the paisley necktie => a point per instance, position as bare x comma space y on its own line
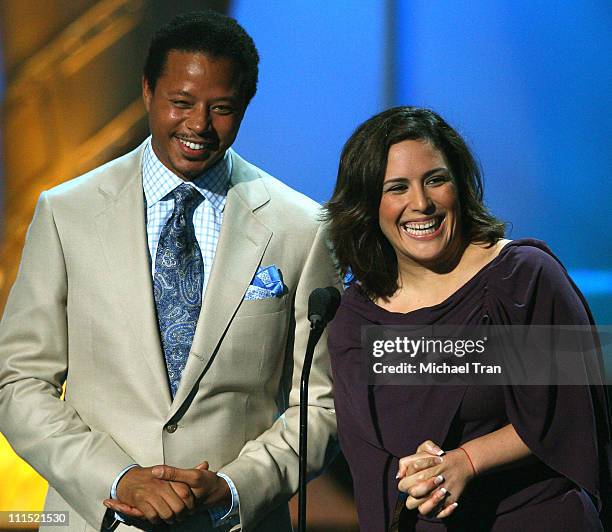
177, 283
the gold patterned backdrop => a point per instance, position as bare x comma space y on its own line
72, 102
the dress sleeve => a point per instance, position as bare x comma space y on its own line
565, 426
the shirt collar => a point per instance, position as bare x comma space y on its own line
158, 181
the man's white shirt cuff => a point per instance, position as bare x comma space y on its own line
222, 515
113, 491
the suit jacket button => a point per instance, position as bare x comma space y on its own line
171, 427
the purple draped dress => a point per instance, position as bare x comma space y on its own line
565, 427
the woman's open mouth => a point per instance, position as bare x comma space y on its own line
424, 229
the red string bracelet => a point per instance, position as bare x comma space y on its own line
469, 459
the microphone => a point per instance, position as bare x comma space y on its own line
322, 306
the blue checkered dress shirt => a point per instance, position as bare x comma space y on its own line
158, 182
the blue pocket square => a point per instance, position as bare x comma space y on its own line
267, 283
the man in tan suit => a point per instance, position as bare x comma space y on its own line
109, 301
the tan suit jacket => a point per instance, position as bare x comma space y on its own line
82, 311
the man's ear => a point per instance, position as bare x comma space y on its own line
147, 93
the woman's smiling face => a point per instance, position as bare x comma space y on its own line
419, 207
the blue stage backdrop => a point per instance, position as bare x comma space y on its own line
527, 83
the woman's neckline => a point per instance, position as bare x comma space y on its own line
485, 267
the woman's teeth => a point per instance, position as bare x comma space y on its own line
422, 228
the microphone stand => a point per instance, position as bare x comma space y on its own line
316, 330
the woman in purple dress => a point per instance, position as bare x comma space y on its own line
408, 221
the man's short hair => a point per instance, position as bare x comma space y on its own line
209, 33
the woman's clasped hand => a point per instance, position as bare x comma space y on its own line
434, 479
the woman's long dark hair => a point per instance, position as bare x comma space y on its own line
352, 212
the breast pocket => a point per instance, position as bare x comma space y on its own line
256, 342
258, 307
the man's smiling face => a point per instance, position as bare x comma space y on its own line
195, 111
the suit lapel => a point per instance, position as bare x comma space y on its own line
122, 231
242, 243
